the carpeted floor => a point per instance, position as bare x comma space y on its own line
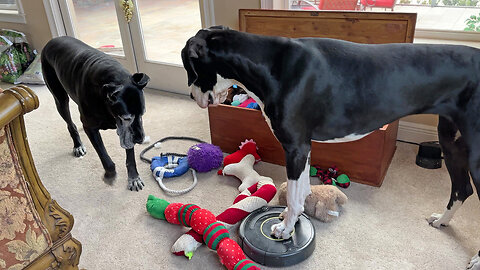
379, 228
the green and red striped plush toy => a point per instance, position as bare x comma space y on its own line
202, 221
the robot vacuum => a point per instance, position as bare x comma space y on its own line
265, 249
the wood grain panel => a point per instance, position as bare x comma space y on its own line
364, 31
362, 27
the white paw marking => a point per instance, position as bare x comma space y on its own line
79, 151
284, 213
474, 263
280, 231
435, 220
297, 191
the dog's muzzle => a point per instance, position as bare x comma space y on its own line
130, 131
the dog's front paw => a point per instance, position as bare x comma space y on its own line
435, 220
281, 231
283, 214
110, 174
79, 151
474, 263
135, 184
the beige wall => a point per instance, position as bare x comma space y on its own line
37, 28
226, 11
424, 119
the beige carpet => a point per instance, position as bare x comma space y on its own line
380, 228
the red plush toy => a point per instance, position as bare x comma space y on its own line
247, 147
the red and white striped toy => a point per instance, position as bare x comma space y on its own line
258, 192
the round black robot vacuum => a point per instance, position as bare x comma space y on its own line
265, 249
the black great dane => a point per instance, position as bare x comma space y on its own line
108, 97
332, 90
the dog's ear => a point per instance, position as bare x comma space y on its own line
140, 79
112, 91
195, 48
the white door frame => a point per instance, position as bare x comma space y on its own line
171, 77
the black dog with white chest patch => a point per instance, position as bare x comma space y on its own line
325, 89
108, 97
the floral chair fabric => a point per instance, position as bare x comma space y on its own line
23, 237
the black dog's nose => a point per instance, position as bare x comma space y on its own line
191, 96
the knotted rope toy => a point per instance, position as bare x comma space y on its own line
331, 176
204, 223
201, 157
259, 193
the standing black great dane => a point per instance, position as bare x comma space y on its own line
332, 90
108, 97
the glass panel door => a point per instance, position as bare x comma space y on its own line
166, 26
159, 34
100, 24
95, 23
151, 42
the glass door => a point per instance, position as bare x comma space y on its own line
158, 36
149, 41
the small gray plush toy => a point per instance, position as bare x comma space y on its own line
322, 204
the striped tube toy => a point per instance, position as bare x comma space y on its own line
254, 197
203, 222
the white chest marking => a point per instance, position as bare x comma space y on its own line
348, 138
259, 102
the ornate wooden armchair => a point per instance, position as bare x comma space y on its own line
34, 229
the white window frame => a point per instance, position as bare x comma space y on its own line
13, 15
419, 32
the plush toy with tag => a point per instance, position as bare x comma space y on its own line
323, 203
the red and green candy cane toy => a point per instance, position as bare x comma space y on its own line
202, 221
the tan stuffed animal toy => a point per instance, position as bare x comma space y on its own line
322, 204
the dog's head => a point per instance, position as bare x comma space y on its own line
207, 86
127, 104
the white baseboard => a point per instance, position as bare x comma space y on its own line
418, 133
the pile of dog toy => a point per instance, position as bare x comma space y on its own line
256, 191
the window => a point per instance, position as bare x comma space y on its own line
8, 5
11, 11
436, 19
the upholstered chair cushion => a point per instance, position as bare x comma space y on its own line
23, 237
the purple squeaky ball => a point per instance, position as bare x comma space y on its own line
204, 157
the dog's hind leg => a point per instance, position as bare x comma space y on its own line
61, 101
298, 188
474, 159
97, 142
455, 152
